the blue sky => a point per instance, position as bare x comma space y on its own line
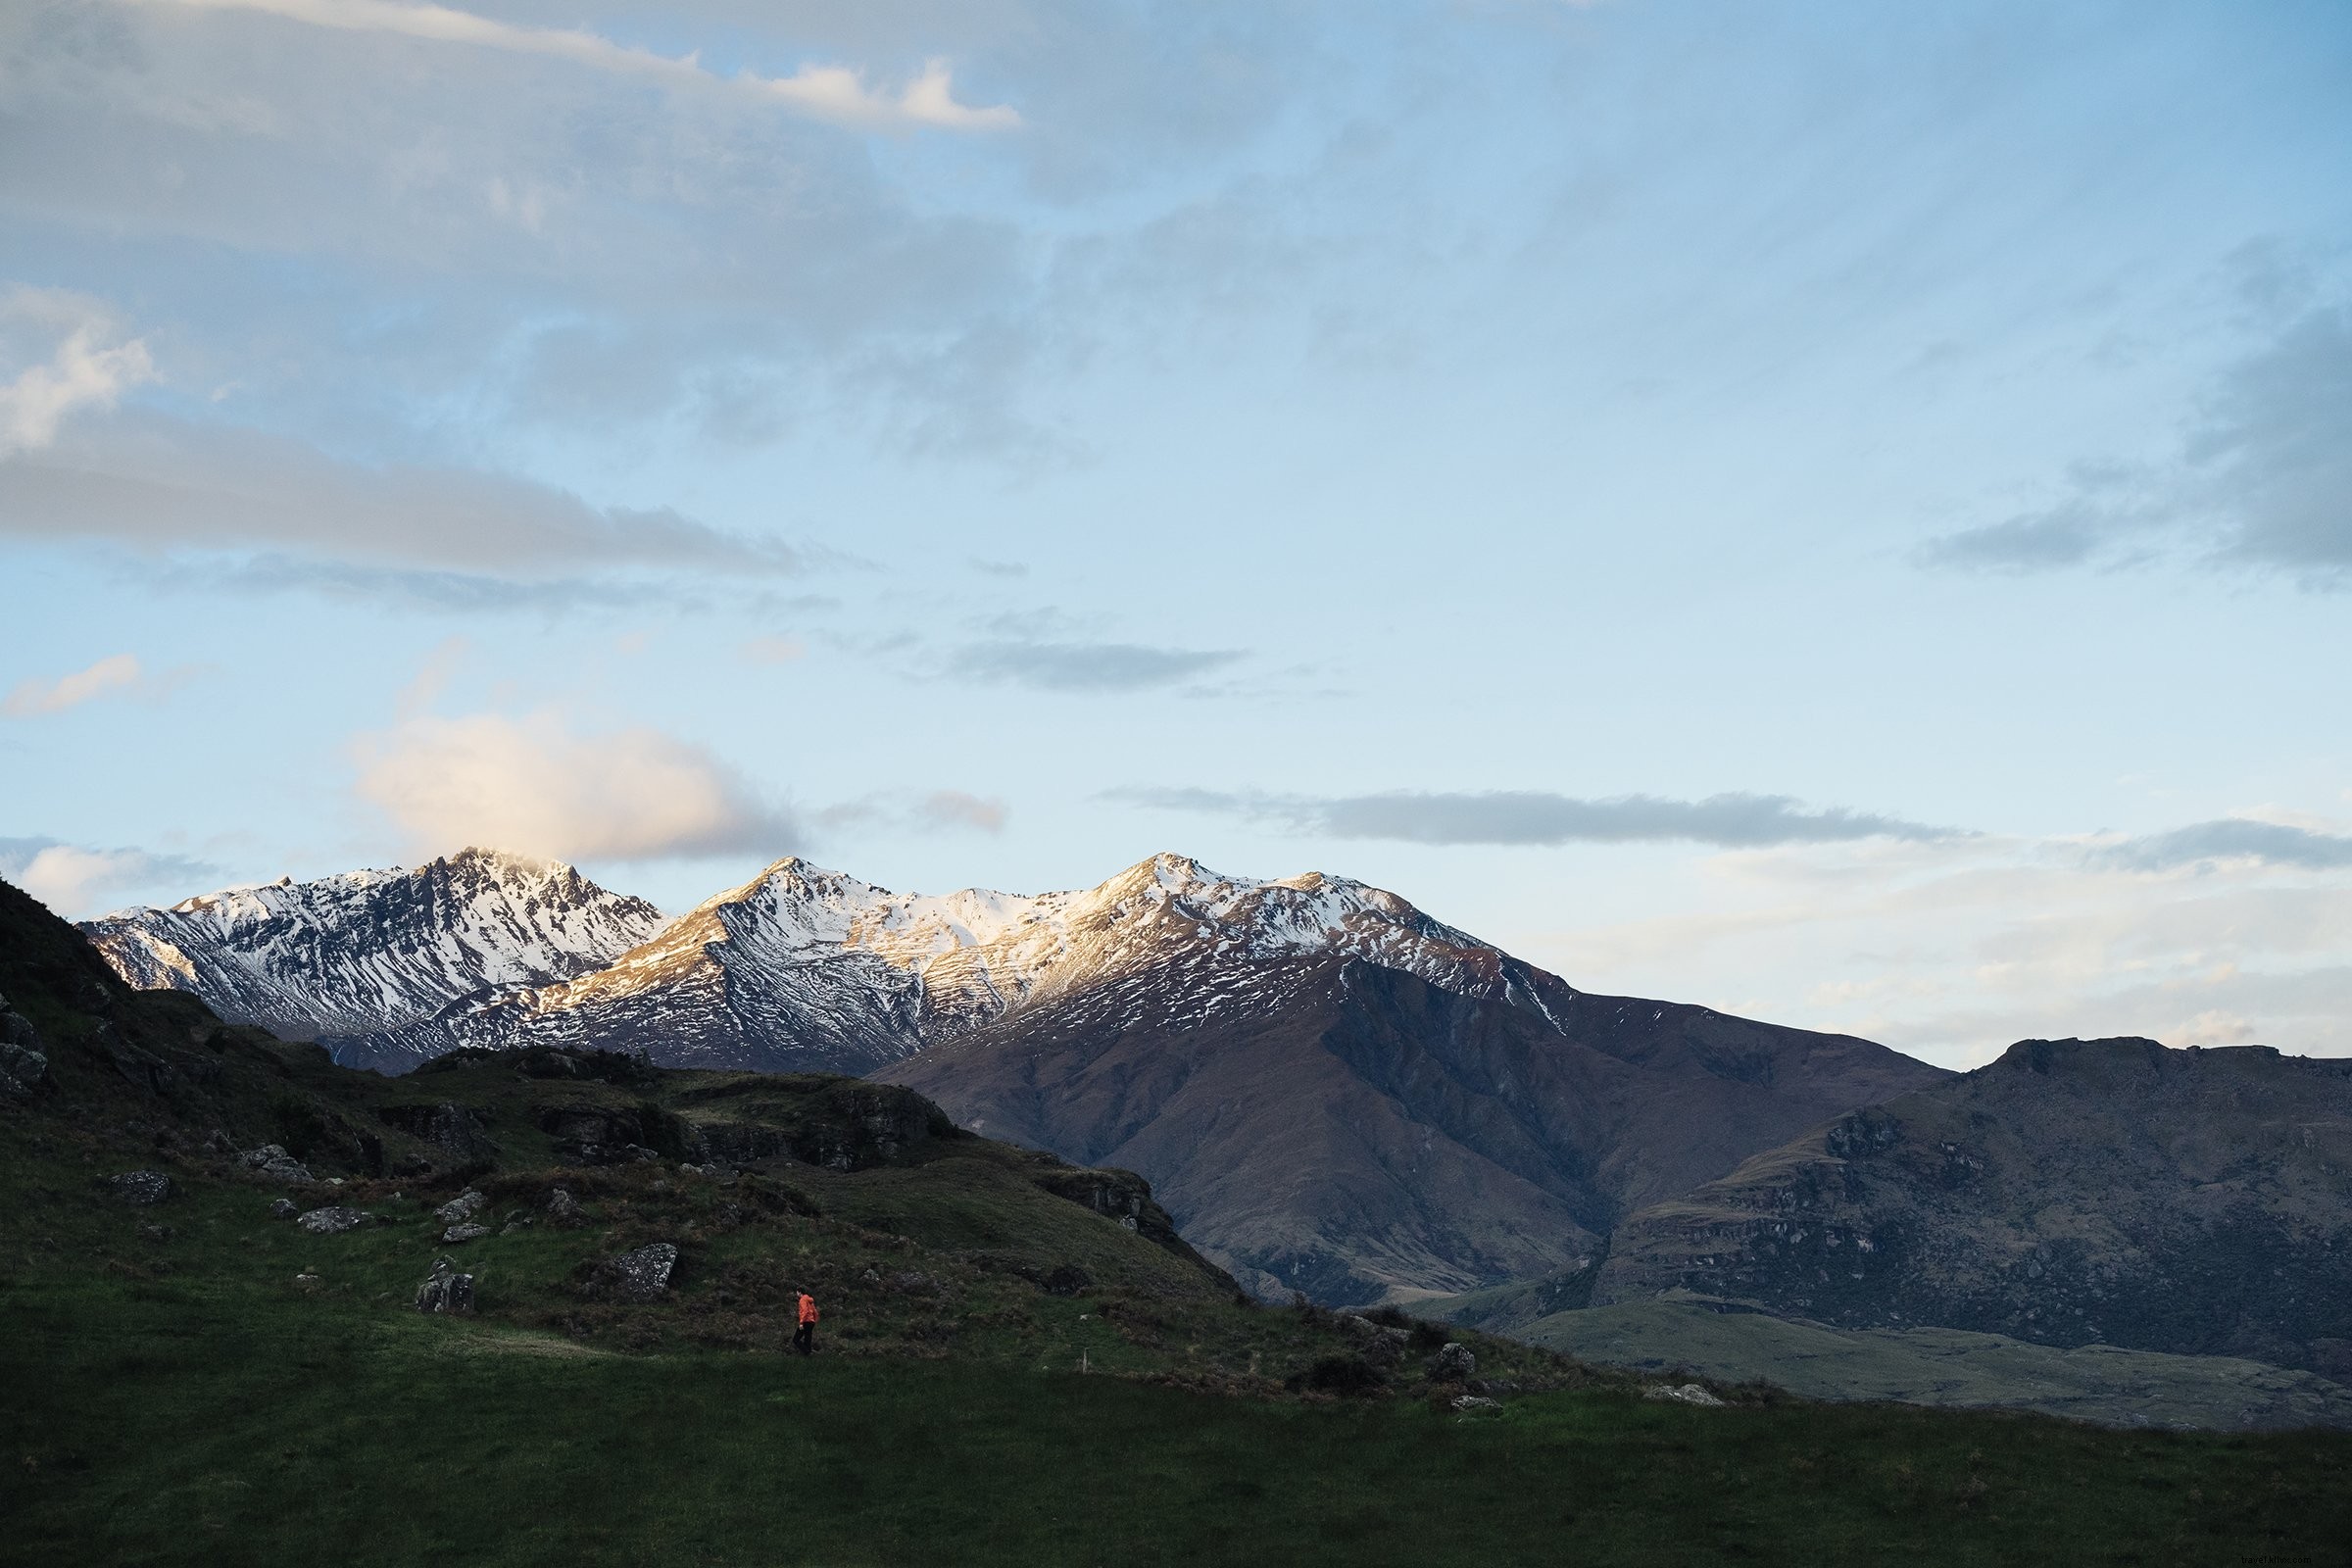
1837, 513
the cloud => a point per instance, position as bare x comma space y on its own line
1529, 817
73, 878
87, 368
1072, 666
939, 811
115, 672
831, 93
2228, 839
2262, 481
773, 650
159, 484
536, 784
955, 809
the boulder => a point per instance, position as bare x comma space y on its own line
464, 1233
282, 1208
273, 1163
562, 1208
1474, 1405
140, 1188
445, 1290
1380, 1344
331, 1221
23, 1068
461, 1209
638, 1276
453, 1129
1453, 1363
1686, 1394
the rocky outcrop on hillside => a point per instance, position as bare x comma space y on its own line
2075, 1192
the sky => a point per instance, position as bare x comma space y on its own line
1840, 513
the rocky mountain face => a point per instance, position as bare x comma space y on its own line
1333, 1092
2073, 1192
381, 968
806, 969
1355, 1131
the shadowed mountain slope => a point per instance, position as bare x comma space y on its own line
1380, 1134
2075, 1192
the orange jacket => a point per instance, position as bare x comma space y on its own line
807, 1308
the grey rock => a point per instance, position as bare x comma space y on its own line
282, 1208
331, 1221
23, 1068
1474, 1405
1686, 1394
465, 1232
445, 1290
1380, 1344
562, 1208
461, 1209
638, 1276
273, 1163
141, 1187
1453, 1363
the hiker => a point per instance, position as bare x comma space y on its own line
804, 1338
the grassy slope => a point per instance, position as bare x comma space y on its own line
202, 1419
1947, 1367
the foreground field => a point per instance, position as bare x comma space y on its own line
194, 1421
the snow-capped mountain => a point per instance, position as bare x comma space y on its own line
805, 968
368, 963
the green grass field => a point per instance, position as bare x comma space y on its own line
223, 1416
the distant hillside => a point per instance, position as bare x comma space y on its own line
2075, 1192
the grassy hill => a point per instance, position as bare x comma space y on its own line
1011, 1372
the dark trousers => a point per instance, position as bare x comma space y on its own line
803, 1339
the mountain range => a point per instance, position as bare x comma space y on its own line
1331, 1091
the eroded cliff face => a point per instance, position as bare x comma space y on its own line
2073, 1193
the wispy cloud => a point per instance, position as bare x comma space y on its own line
80, 359
1075, 667
832, 93
70, 878
2234, 838
117, 674
933, 811
159, 484
1538, 818
2261, 483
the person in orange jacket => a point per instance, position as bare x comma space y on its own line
804, 1338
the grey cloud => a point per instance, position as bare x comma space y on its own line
2230, 839
157, 484
2263, 481
1539, 818
1073, 666
2067, 537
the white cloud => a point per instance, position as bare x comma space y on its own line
1952, 951
33, 696
87, 368
832, 93
74, 880
537, 785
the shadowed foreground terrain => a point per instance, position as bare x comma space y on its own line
1010, 1371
